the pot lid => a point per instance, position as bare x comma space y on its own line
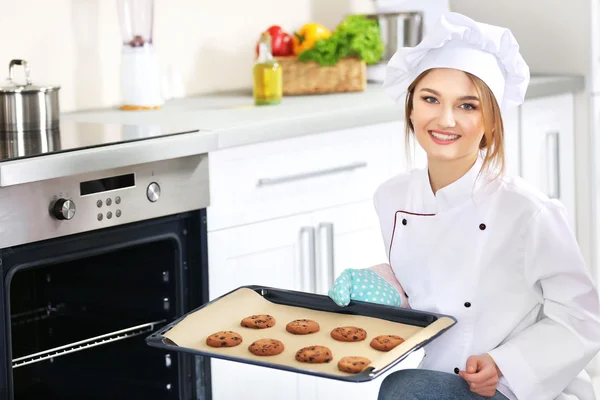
10, 86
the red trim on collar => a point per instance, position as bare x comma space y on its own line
412, 213
394, 228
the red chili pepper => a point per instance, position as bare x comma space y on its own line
281, 42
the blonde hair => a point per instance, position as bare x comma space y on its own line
492, 142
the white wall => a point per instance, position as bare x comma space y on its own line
554, 35
77, 43
330, 12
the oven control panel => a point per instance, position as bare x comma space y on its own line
63, 209
80, 203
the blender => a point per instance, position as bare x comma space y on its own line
140, 74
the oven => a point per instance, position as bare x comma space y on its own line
91, 265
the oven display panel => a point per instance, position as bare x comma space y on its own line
106, 184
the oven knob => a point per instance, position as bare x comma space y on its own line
64, 209
153, 192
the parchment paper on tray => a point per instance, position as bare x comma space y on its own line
226, 313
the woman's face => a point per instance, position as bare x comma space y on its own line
447, 116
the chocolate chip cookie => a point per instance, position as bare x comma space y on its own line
349, 334
302, 327
353, 365
224, 339
260, 321
266, 347
386, 342
314, 355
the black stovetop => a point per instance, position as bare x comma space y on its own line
73, 135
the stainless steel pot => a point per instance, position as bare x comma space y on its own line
401, 29
27, 107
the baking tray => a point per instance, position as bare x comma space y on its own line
188, 333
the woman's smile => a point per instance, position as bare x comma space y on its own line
442, 137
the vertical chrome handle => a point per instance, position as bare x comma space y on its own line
552, 165
325, 258
307, 259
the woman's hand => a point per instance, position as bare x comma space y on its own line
482, 375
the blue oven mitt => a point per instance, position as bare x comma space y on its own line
363, 285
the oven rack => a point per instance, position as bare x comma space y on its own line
39, 314
86, 344
31, 316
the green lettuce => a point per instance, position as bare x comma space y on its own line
356, 36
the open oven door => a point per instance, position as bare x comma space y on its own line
76, 311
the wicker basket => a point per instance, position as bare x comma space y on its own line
348, 75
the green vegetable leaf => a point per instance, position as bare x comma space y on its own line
356, 36
326, 51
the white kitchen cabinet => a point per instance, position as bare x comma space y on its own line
293, 214
547, 148
272, 253
265, 253
354, 242
282, 178
304, 252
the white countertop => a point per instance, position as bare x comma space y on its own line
228, 120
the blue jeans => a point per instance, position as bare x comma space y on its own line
421, 384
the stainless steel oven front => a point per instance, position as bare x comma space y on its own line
91, 264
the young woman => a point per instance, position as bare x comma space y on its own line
466, 240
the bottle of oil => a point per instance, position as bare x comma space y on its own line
268, 76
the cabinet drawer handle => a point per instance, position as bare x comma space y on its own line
313, 174
553, 165
307, 259
325, 258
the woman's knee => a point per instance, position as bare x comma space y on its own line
419, 384
406, 382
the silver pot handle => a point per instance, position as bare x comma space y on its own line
25, 65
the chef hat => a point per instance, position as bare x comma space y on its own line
489, 52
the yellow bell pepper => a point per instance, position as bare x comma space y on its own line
308, 35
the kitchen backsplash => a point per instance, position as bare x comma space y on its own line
77, 43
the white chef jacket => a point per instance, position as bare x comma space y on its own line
501, 258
